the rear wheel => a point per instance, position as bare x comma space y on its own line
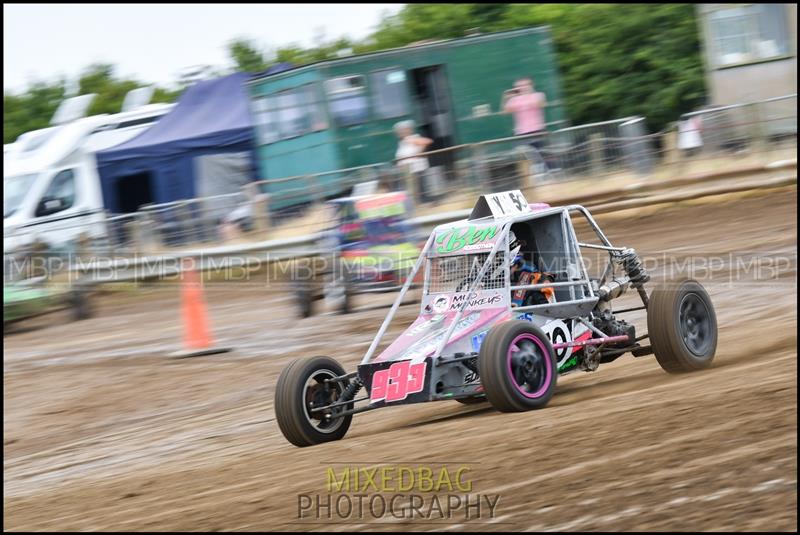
301, 388
517, 367
682, 326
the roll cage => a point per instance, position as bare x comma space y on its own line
576, 296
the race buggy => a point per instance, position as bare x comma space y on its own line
35, 297
369, 249
507, 307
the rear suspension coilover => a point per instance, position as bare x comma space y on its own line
636, 272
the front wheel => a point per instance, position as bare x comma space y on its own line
303, 387
682, 326
517, 366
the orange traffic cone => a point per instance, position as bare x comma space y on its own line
197, 337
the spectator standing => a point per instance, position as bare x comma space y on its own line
690, 140
410, 146
527, 106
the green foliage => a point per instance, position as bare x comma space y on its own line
418, 22
34, 108
291, 54
31, 110
165, 95
245, 56
489, 17
99, 79
615, 60
644, 62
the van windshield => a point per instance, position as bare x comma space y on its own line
14, 190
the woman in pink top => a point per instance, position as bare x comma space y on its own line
527, 105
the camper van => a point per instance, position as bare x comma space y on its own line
51, 187
8, 150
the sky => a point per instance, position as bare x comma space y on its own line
155, 42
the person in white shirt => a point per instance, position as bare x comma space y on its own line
690, 140
411, 144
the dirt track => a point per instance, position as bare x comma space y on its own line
101, 431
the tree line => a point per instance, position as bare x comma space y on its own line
615, 60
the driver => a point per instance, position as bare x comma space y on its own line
524, 273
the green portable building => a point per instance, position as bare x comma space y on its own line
339, 113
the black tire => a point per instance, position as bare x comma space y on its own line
304, 293
292, 398
345, 287
347, 303
80, 307
537, 371
682, 326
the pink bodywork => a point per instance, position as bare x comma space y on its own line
417, 331
438, 324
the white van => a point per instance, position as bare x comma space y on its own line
8, 150
51, 186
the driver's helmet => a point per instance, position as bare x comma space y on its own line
514, 247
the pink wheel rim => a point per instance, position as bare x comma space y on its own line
524, 343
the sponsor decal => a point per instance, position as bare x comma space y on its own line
568, 365
427, 345
477, 340
398, 381
470, 238
440, 303
425, 325
474, 301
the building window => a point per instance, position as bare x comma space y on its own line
748, 33
266, 120
347, 100
289, 113
390, 93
